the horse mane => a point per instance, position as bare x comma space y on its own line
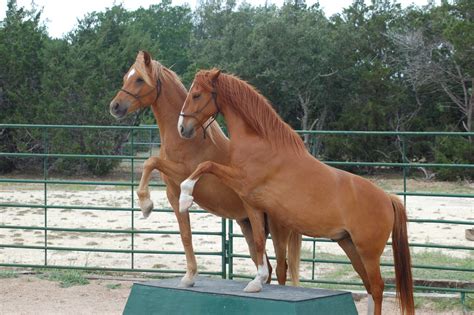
158, 71
256, 111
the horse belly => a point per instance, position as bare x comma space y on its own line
298, 207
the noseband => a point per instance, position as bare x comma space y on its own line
213, 117
139, 97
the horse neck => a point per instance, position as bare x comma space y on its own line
166, 110
235, 124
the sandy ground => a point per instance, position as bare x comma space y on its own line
418, 207
30, 295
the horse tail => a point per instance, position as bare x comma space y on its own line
294, 254
401, 257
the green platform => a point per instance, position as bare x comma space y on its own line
216, 296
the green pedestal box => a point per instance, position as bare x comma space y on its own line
216, 296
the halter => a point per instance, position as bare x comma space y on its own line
213, 117
138, 97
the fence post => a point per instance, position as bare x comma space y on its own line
314, 257
132, 160
404, 160
151, 143
224, 247
230, 253
45, 188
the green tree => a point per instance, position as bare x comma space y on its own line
21, 67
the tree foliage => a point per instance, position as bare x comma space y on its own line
371, 67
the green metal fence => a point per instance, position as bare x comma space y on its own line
144, 139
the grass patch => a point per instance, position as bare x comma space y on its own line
395, 183
159, 266
438, 258
66, 278
444, 304
113, 286
6, 274
343, 272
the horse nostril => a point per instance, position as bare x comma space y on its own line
115, 106
181, 129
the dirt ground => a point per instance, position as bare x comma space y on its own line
28, 294
418, 207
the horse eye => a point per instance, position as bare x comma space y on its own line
139, 80
196, 96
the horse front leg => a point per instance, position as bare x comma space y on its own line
257, 220
226, 174
169, 168
186, 239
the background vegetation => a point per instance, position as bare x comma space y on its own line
372, 67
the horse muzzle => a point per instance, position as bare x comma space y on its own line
186, 132
118, 109
186, 129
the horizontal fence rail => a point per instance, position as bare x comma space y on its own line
138, 146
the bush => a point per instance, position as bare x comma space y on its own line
454, 150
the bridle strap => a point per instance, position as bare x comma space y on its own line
139, 97
213, 117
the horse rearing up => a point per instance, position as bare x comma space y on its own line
271, 170
148, 83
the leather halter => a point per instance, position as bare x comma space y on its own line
138, 97
213, 117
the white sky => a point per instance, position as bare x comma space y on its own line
60, 16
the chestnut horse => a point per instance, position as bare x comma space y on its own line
147, 83
271, 170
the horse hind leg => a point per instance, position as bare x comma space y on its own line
349, 248
280, 237
372, 266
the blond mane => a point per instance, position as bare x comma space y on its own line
253, 108
158, 71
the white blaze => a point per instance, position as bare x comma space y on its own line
132, 72
180, 122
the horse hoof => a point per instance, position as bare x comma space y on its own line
254, 286
186, 282
185, 201
146, 206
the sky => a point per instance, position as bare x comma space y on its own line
60, 16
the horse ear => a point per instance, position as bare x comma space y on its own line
215, 74
146, 58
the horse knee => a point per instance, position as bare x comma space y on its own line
143, 194
149, 164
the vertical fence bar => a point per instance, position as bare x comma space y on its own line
314, 257
151, 143
132, 162
45, 189
231, 249
224, 247
404, 160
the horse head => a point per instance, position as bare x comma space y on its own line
141, 87
200, 104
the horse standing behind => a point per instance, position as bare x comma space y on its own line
271, 170
148, 83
